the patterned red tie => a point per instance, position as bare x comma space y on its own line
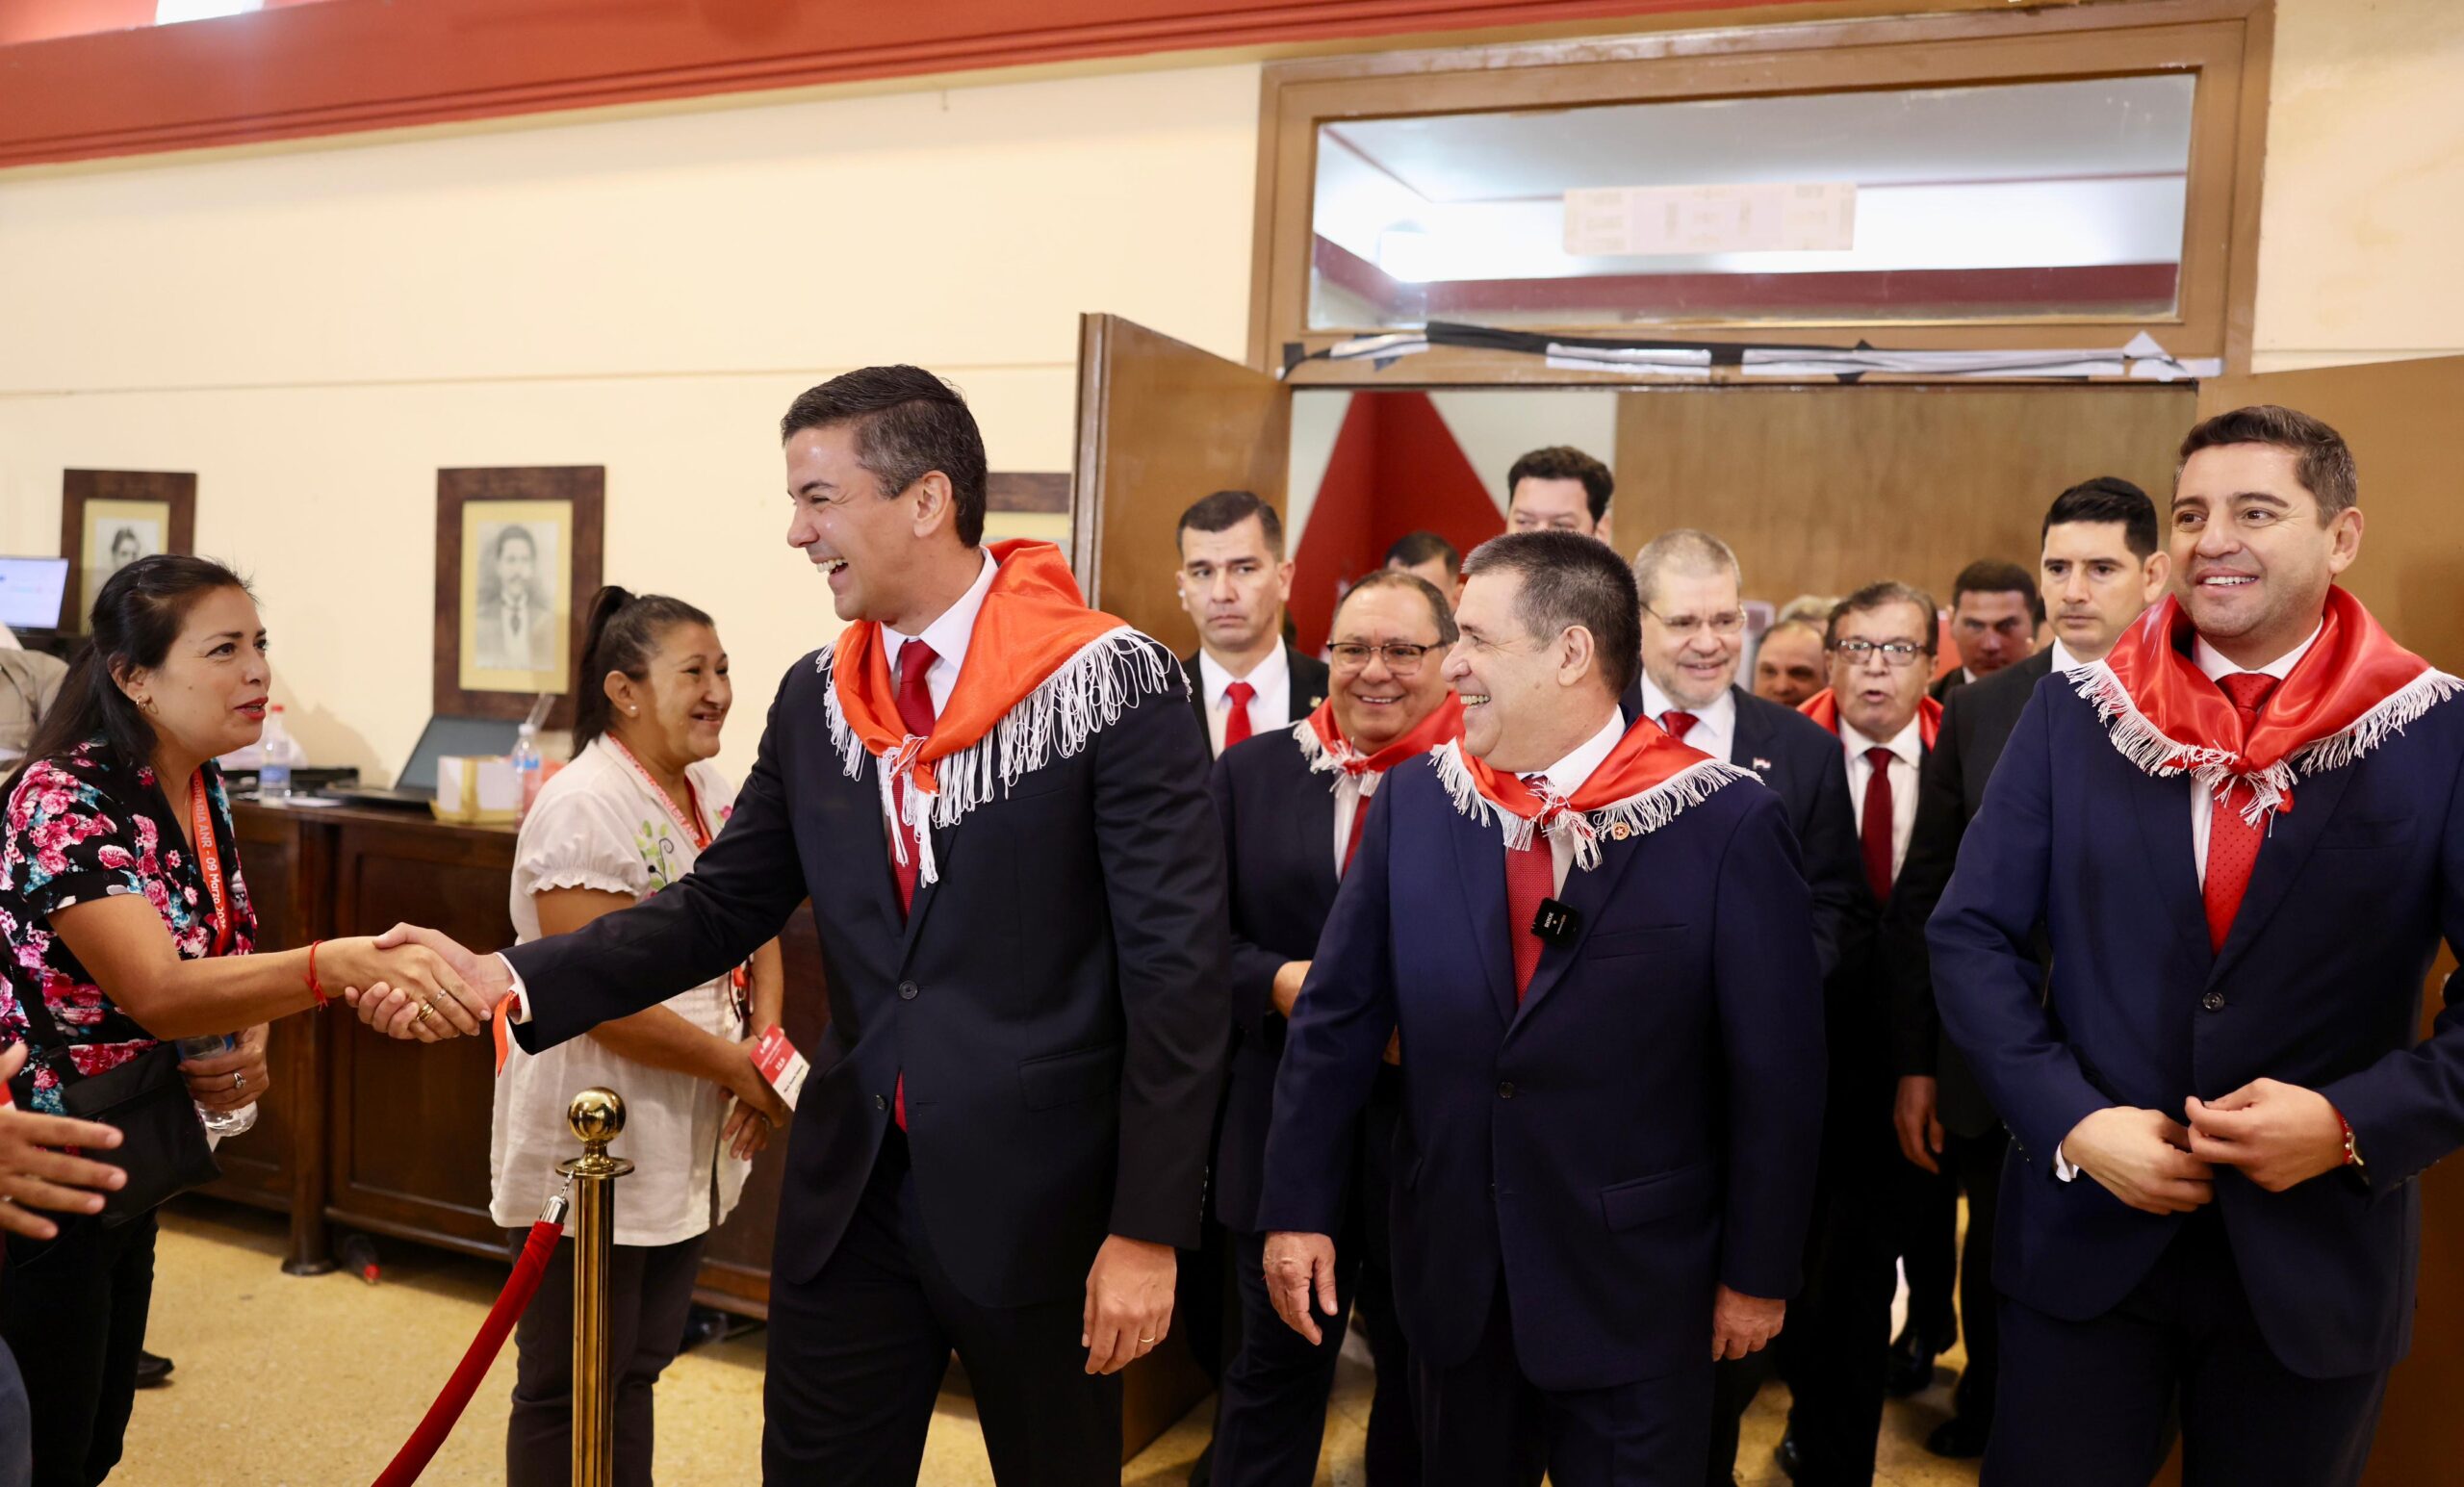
1677, 722
1235, 725
1875, 829
915, 658
2233, 843
1530, 876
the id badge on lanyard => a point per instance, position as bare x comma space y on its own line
740, 980
209, 860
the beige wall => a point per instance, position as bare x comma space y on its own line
316, 330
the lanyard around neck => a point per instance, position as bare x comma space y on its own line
209, 858
689, 821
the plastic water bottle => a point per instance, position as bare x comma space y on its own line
274, 766
526, 764
223, 1123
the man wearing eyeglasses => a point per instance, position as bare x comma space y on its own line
1880, 642
1693, 639
1294, 804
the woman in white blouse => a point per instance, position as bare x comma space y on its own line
624, 819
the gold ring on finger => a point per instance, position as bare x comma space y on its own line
427, 1010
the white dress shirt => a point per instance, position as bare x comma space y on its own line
948, 636
1270, 708
1714, 730
1907, 752
2063, 658
2212, 664
1567, 776
1346, 806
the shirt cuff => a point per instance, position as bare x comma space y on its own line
521, 992
2062, 1170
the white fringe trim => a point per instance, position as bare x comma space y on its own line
1089, 692
1640, 816
2159, 754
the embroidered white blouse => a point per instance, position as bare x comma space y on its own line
598, 825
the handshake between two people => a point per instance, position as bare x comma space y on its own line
415, 983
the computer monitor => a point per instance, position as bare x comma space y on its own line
31, 590
468, 738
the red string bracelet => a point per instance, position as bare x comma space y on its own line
315, 988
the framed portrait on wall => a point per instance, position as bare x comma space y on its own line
518, 555
111, 518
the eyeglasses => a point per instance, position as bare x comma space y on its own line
1896, 653
1685, 626
1401, 659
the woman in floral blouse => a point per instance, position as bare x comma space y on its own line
127, 921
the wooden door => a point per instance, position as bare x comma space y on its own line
1161, 424
2411, 575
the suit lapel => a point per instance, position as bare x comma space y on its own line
1298, 701
2163, 811
1479, 860
1749, 740
1588, 895
2292, 835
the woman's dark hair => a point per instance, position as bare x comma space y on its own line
624, 634
135, 617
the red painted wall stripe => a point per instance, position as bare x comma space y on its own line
353, 65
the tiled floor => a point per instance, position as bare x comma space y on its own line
284, 1380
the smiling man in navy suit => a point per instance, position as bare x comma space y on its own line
2244, 831
1294, 806
1597, 948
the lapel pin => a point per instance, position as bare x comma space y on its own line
1761, 766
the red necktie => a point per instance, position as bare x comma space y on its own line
1236, 726
2233, 843
1677, 723
1359, 819
1530, 876
915, 658
1875, 828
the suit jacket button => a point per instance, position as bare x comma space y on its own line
1505, 1090
2214, 1001
906, 991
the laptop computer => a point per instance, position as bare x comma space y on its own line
415, 788
32, 591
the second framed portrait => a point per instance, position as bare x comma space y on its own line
111, 518
518, 555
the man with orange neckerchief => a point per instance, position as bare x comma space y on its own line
992, 795
2244, 831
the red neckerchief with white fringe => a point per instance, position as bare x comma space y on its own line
1648, 778
1356, 774
2350, 691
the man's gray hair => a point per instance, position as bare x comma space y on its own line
1684, 549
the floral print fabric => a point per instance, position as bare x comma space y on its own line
78, 828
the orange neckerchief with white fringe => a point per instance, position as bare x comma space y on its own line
2351, 690
1043, 673
1645, 781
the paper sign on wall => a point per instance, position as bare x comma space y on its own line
1636, 221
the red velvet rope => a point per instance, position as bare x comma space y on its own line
416, 1451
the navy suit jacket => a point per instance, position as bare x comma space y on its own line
1309, 681
1278, 821
1800, 761
2318, 984
1055, 1000
1641, 1129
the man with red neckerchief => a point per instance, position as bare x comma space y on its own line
2244, 831
1599, 949
991, 794
1295, 805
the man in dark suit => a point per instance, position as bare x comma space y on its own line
1598, 950
2244, 832
1234, 581
1880, 642
1994, 615
1005, 1133
1693, 628
1294, 804
2101, 567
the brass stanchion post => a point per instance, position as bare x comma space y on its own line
597, 1118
